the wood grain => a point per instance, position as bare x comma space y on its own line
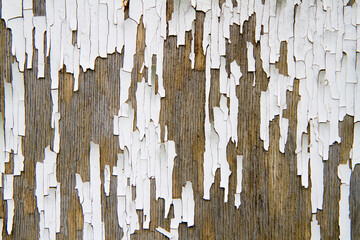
274, 205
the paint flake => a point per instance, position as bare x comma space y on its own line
239, 166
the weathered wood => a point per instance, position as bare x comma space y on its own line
274, 205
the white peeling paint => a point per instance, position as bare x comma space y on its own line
177, 203
12, 131
188, 204
48, 195
181, 20
8, 196
239, 165
315, 228
316, 41
40, 27
89, 194
107, 175
144, 156
130, 27
11, 9
2, 149
323, 52
250, 57
10, 215
95, 190
1, 226
344, 173
14, 111
165, 233
83, 189
184, 211
355, 154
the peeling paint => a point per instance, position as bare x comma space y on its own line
239, 166
184, 211
90, 197
344, 173
323, 53
48, 196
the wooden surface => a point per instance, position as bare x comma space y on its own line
274, 205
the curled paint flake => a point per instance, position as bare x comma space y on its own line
165, 233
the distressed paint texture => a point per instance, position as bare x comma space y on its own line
116, 116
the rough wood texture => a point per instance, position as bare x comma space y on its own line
274, 205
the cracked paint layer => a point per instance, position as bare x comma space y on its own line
89, 194
48, 196
323, 53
